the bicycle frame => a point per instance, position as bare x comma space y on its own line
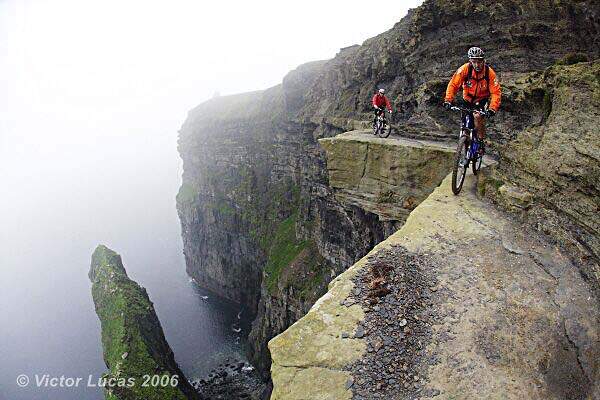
381, 125
467, 151
468, 129
381, 116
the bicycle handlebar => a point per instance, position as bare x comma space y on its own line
468, 110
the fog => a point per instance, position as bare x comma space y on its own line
92, 94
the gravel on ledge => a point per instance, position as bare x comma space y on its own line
396, 292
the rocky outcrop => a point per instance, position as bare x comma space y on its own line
415, 59
259, 220
388, 177
132, 338
549, 174
498, 283
261, 223
502, 314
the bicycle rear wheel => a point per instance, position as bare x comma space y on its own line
461, 163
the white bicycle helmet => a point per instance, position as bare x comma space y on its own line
475, 52
381, 91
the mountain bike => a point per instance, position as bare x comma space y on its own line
467, 151
381, 126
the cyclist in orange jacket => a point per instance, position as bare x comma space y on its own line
480, 88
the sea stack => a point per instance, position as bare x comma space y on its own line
140, 361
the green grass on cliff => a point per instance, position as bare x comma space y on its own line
187, 193
222, 207
284, 249
315, 275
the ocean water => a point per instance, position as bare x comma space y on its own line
52, 216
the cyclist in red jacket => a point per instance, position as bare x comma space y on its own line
380, 103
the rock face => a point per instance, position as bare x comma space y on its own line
261, 223
259, 220
414, 59
549, 174
388, 177
132, 338
509, 316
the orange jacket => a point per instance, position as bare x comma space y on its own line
476, 88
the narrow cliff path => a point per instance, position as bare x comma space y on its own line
474, 306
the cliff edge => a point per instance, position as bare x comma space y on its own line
263, 224
135, 348
462, 302
472, 298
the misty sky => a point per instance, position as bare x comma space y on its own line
86, 82
92, 94
98, 89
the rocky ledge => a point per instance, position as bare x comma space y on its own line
387, 177
132, 338
254, 171
461, 302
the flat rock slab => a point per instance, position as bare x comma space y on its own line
388, 177
517, 321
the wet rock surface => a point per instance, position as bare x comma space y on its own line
233, 380
388, 177
395, 289
549, 175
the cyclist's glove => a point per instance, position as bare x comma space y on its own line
447, 105
491, 113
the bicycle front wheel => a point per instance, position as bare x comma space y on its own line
385, 131
476, 164
461, 164
376, 127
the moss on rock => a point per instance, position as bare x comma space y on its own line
133, 341
187, 193
284, 249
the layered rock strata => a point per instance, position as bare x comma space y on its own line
134, 345
388, 177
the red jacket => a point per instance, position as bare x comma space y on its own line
380, 101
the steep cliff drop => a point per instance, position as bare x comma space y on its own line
264, 224
468, 299
462, 302
140, 361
